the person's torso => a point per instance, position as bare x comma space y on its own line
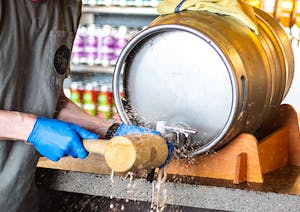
35, 41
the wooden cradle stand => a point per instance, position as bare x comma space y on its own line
246, 158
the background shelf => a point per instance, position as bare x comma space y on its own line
92, 68
120, 10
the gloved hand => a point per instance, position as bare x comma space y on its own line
132, 129
55, 139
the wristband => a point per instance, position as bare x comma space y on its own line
111, 131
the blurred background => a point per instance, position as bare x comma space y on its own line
106, 27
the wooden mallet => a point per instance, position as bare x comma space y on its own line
130, 152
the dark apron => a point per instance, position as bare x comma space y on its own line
35, 42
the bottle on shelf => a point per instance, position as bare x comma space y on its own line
121, 39
104, 102
78, 51
91, 44
107, 45
76, 92
90, 98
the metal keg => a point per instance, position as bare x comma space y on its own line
204, 71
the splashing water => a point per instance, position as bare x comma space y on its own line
130, 175
159, 193
112, 176
130, 185
111, 206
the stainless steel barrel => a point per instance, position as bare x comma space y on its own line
205, 71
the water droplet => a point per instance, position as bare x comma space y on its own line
112, 176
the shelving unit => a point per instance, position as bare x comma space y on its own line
141, 11
92, 68
132, 17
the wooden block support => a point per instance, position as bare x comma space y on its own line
241, 168
274, 150
289, 118
245, 158
223, 164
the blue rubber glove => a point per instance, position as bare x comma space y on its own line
55, 139
132, 129
170, 154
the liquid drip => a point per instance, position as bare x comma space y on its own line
159, 193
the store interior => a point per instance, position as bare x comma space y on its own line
105, 28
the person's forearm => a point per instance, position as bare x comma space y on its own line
70, 112
16, 125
